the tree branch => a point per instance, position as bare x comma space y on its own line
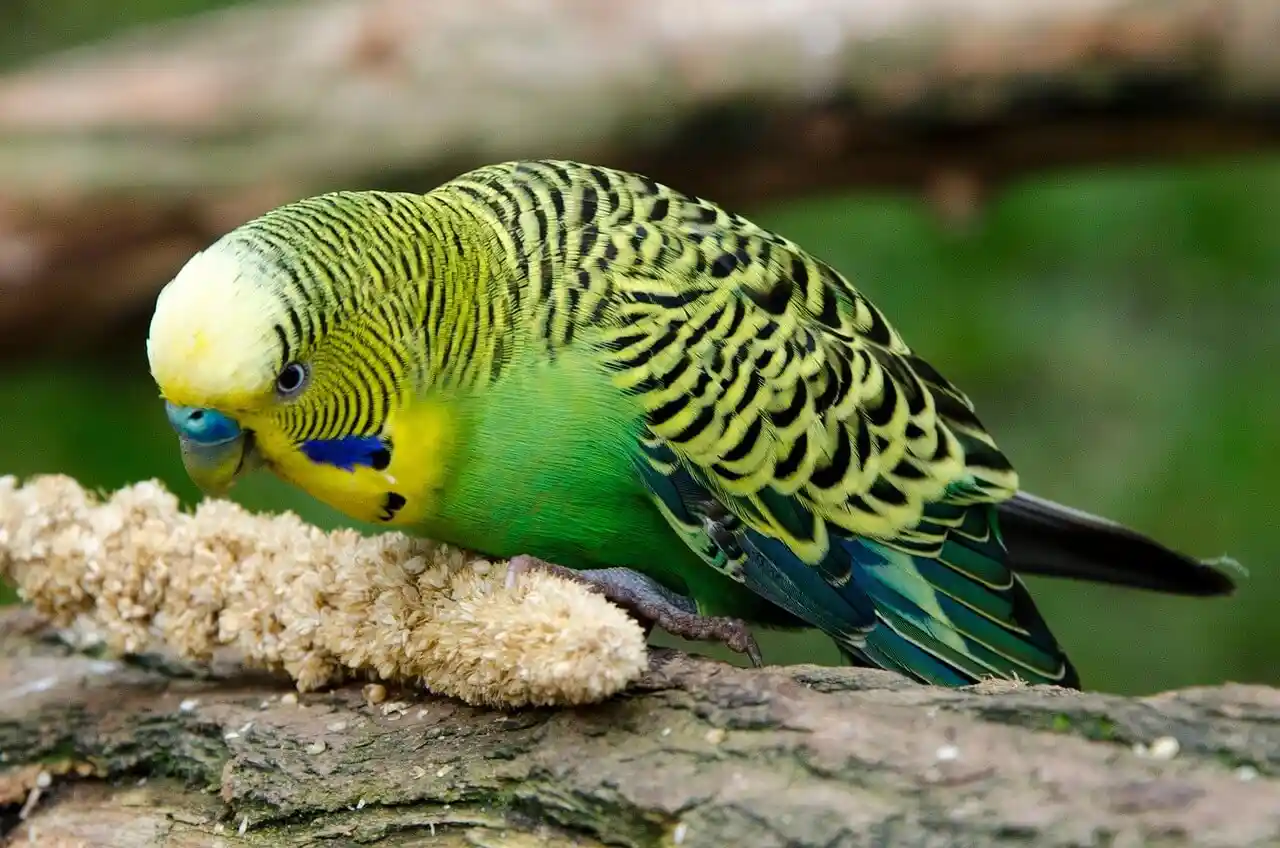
119, 161
698, 754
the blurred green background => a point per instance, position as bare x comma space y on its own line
1117, 329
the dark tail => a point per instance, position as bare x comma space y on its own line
1055, 540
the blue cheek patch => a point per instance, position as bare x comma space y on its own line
349, 451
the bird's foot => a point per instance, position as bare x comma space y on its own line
650, 602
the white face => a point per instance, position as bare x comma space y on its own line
213, 336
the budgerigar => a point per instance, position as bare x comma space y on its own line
587, 371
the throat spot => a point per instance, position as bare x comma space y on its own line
392, 503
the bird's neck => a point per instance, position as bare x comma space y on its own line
462, 300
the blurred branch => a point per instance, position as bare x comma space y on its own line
118, 161
697, 754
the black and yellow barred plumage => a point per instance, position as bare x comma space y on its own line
782, 429
751, 357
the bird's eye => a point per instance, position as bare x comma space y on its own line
292, 379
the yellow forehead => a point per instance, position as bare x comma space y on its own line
212, 340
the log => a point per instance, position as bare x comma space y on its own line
111, 752
119, 160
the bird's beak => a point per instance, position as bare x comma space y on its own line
216, 451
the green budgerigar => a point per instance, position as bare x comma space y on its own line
589, 372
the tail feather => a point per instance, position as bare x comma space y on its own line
1050, 539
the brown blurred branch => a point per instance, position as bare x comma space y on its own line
118, 161
698, 754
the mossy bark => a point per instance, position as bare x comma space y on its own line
698, 754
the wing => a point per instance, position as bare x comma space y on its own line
791, 437
799, 446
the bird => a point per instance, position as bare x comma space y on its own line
585, 371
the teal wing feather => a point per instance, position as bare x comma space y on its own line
950, 618
824, 465
791, 437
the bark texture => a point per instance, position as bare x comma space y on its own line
698, 754
119, 161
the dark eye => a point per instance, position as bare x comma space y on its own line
291, 379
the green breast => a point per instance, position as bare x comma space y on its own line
543, 465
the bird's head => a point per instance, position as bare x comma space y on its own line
273, 346
218, 361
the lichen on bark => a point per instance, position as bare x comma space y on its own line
698, 753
